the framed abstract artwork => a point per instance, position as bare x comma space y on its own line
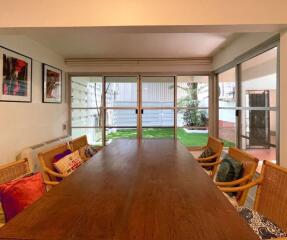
15, 76
52, 84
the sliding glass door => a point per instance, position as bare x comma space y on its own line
192, 110
157, 107
112, 107
258, 88
248, 105
227, 103
87, 108
121, 106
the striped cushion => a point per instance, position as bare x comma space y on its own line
69, 163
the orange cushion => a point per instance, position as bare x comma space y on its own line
18, 194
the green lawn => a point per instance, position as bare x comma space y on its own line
187, 139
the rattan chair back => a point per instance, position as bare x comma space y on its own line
250, 164
271, 195
78, 143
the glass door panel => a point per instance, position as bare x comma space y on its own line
192, 115
121, 91
158, 123
227, 94
121, 107
157, 91
86, 108
157, 110
259, 101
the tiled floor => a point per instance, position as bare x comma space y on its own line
263, 154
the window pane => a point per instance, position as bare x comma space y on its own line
227, 88
86, 117
192, 91
258, 87
158, 118
158, 91
121, 117
86, 92
227, 127
117, 133
94, 134
192, 127
193, 118
121, 91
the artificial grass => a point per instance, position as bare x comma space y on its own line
187, 139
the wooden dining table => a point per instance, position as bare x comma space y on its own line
149, 189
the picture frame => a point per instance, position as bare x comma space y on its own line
15, 76
52, 84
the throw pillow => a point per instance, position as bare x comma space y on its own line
87, 152
229, 170
69, 163
18, 194
208, 152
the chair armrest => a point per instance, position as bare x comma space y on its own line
51, 183
241, 188
235, 182
53, 173
210, 164
196, 148
207, 159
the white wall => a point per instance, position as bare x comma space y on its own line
239, 46
26, 124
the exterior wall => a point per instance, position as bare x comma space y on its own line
26, 124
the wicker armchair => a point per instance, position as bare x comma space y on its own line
250, 164
12, 171
78, 143
271, 195
216, 145
46, 160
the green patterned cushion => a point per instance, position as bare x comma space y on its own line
229, 170
206, 153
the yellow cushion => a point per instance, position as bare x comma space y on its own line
69, 163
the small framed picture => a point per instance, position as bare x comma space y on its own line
52, 84
15, 76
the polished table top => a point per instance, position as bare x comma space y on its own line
133, 189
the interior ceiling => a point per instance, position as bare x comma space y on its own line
127, 43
